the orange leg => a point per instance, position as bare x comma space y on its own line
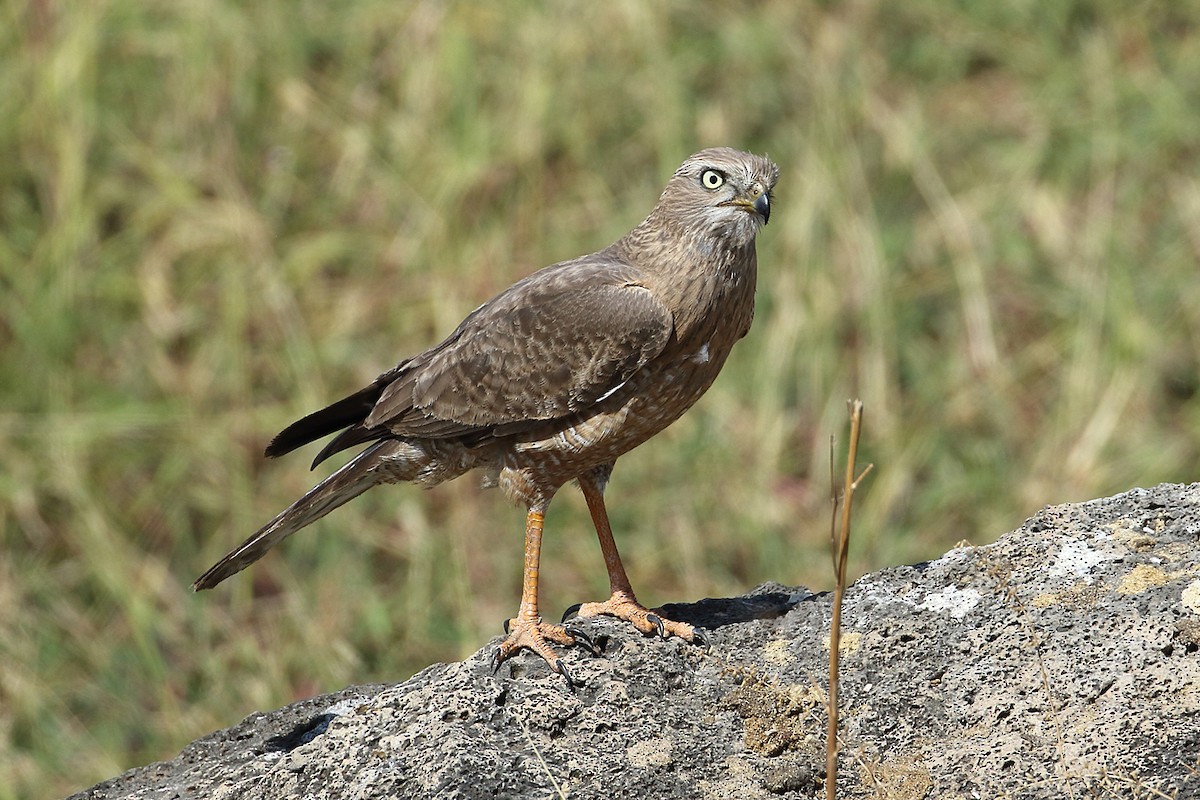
622, 604
527, 630
535, 521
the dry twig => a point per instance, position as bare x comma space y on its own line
840, 538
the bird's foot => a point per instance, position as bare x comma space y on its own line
537, 636
625, 606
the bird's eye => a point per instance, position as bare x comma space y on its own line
712, 179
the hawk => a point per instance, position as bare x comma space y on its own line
555, 378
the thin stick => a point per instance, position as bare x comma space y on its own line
529, 738
840, 546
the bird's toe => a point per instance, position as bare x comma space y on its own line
538, 636
652, 623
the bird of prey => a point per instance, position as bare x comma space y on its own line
555, 378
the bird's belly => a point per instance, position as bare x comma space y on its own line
644, 407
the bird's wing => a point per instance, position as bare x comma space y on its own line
553, 344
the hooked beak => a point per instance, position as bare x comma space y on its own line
758, 200
762, 204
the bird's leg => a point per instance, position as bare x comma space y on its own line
527, 629
622, 603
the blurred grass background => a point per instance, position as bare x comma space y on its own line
216, 217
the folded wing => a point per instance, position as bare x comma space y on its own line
552, 345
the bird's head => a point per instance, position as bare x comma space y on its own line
722, 193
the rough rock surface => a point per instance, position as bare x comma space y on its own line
1061, 661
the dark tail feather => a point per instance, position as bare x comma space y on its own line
348, 438
342, 414
339, 488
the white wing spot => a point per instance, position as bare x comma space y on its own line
701, 355
614, 389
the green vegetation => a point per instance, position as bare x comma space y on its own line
215, 217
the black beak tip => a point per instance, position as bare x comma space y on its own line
763, 206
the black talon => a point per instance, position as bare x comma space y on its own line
571, 611
654, 620
700, 639
506, 626
582, 638
496, 661
561, 669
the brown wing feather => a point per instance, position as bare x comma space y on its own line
550, 345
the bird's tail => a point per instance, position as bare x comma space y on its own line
381, 463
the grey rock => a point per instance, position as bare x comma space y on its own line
1061, 661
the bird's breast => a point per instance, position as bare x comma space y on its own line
711, 308
647, 403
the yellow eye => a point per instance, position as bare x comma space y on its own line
712, 179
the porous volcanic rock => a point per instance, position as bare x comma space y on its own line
1060, 661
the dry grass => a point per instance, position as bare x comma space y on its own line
839, 545
215, 217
